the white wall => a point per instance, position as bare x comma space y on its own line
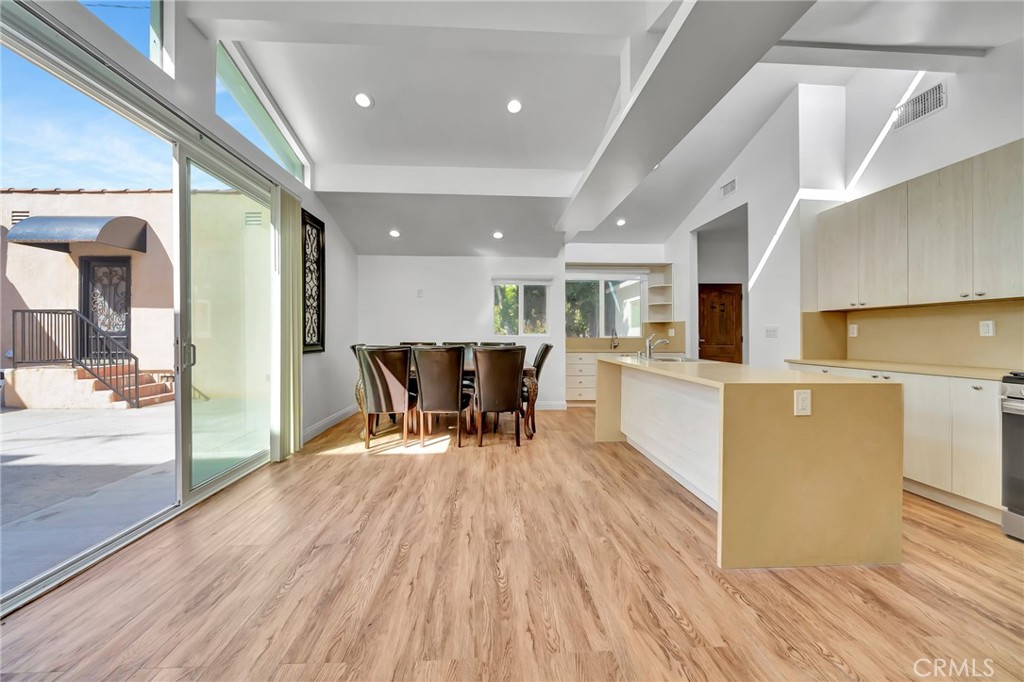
767, 180
327, 377
457, 304
722, 259
646, 254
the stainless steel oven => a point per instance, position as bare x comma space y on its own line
1013, 454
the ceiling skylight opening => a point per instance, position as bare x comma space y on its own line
514, 106
363, 100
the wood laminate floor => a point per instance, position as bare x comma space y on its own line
560, 560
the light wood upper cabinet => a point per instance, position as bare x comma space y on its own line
976, 440
883, 248
999, 222
927, 452
940, 219
838, 246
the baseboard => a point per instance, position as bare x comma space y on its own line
691, 487
314, 430
550, 405
982, 511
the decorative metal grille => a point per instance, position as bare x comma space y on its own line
108, 297
313, 283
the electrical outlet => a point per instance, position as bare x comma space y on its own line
672, 332
853, 330
419, 293
987, 328
771, 332
802, 403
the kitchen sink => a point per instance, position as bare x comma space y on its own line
668, 359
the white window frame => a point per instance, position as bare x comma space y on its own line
520, 282
604, 276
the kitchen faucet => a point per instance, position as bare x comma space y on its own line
651, 344
615, 339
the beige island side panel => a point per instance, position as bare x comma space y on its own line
824, 489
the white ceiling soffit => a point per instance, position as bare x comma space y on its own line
912, 36
707, 49
444, 225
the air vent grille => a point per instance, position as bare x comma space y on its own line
17, 217
727, 189
253, 219
925, 104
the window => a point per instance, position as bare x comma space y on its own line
600, 307
140, 22
239, 105
520, 309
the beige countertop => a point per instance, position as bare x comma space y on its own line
987, 373
719, 374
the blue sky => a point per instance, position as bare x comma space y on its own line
51, 135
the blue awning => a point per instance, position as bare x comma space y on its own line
60, 232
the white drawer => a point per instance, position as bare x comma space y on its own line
581, 394
580, 358
580, 370
585, 381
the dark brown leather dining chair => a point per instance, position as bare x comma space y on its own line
538, 364
386, 371
497, 343
418, 343
499, 381
439, 371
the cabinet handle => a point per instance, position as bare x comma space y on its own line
863, 303
964, 295
886, 377
824, 371
979, 293
976, 387
853, 305
874, 376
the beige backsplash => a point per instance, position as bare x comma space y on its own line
677, 343
940, 334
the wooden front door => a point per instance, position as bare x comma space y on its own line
106, 287
721, 322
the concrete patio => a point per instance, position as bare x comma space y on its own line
70, 479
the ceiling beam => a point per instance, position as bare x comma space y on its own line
708, 47
508, 182
896, 57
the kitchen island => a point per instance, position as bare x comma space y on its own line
789, 490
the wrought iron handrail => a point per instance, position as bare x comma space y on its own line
57, 336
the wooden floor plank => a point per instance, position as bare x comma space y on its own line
559, 560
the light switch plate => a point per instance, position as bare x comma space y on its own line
853, 330
771, 332
802, 403
671, 332
987, 328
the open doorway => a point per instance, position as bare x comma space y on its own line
722, 270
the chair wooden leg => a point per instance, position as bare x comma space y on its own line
422, 432
430, 424
497, 415
458, 430
469, 419
405, 429
481, 424
517, 429
369, 421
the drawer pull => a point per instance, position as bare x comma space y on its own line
886, 377
964, 295
824, 371
862, 303
874, 376
853, 305
976, 387
979, 293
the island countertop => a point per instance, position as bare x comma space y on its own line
719, 374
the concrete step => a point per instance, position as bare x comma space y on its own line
144, 378
156, 399
106, 371
145, 390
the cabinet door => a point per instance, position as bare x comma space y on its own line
838, 239
939, 226
927, 429
999, 222
883, 248
977, 454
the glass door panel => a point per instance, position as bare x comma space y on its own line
229, 295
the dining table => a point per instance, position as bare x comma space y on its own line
469, 370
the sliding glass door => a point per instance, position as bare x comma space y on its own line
229, 298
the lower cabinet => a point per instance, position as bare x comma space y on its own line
951, 431
976, 439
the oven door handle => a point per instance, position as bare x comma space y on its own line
1012, 406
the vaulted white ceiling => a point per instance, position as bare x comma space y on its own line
608, 90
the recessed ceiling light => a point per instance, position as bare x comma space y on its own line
363, 100
620, 222
395, 233
514, 106
498, 235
